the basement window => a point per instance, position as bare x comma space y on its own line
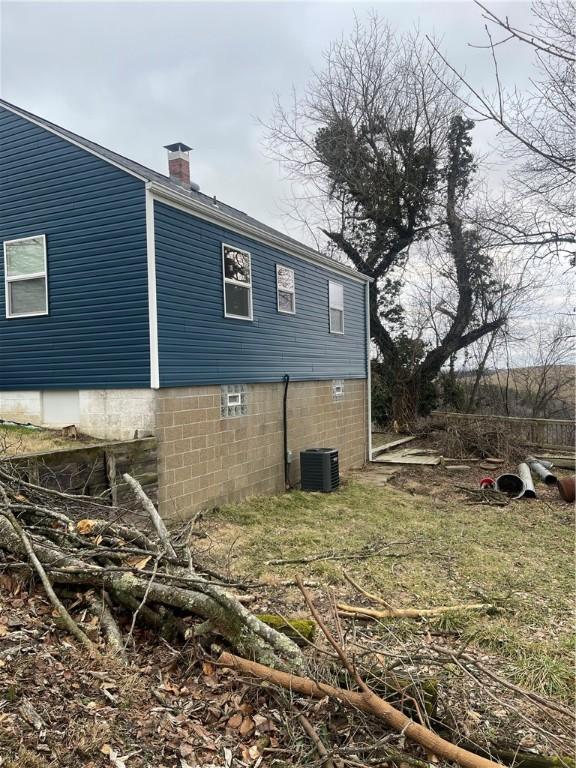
25, 277
338, 389
285, 290
233, 400
237, 271
336, 306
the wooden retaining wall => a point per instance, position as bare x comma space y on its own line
543, 433
95, 470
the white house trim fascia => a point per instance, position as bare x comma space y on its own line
203, 211
152, 300
79, 144
368, 374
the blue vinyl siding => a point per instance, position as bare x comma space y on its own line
198, 345
93, 215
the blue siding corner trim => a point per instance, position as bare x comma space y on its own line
199, 346
93, 216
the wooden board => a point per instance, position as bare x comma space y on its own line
400, 457
393, 444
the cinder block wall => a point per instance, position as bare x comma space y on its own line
206, 459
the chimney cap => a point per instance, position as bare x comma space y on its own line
177, 147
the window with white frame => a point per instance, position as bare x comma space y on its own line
285, 289
25, 276
237, 270
336, 304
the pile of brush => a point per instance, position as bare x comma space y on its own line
82, 543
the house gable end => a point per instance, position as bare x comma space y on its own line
93, 217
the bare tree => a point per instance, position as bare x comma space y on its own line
532, 376
377, 143
545, 386
536, 127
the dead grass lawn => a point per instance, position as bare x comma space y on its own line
16, 440
519, 557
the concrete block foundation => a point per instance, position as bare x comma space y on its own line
207, 459
206, 455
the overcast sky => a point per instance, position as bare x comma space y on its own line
134, 76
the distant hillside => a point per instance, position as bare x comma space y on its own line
535, 391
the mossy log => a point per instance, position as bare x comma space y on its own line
301, 631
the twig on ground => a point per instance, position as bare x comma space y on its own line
506, 683
327, 761
369, 595
367, 701
142, 602
408, 613
363, 554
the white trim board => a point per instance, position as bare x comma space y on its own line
152, 299
368, 371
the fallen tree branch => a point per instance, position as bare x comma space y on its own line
382, 709
367, 702
408, 613
157, 521
71, 555
99, 608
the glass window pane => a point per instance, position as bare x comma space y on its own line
336, 291
285, 278
24, 257
237, 300
336, 320
236, 265
285, 301
27, 296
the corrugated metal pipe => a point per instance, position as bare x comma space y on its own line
538, 467
526, 477
511, 485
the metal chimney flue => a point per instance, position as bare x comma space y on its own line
179, 163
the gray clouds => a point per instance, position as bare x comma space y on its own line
135, 76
